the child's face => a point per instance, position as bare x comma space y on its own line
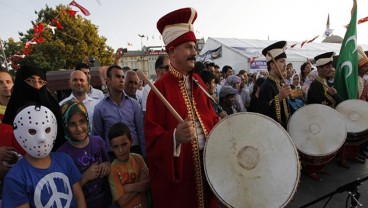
121, 147
78, 127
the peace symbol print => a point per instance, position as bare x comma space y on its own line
53, 190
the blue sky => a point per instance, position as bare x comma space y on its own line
120, 21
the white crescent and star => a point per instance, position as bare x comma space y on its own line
348, 63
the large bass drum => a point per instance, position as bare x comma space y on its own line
355, 113
251, 161
318, 131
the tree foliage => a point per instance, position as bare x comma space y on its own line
68, 46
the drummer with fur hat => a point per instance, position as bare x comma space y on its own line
174, 148
273, 93
318, 91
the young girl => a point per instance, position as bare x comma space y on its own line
88, 153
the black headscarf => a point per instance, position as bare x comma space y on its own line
23, 94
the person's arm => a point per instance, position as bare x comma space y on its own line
139, 125
98, 122
90, 174
104, 169
119, 53
79, 196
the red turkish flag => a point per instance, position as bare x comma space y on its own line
303, 43
39, 40
83, 10
38, 29
72, 13
309, 41
360, 21
57, 23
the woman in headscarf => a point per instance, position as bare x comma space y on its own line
30, 87
234, 82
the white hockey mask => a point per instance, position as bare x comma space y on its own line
35, 129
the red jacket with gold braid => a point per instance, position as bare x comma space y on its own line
174, 180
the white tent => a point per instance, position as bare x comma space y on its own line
247, 53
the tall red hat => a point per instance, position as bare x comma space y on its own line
177, 27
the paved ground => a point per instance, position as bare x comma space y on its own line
310, 190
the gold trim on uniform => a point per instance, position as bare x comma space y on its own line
277, 103
332, 101
195, 147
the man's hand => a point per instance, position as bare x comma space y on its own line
331, 91
119, 53
185, 132
285, 92
8, 154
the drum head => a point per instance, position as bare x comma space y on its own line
355, 113
251, 161
317, 130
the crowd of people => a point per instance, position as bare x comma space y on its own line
125, 148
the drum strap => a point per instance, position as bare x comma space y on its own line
328, 97
206, 93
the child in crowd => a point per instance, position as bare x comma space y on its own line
129, 177
41, 179
88, 153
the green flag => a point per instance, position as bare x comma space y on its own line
346, 77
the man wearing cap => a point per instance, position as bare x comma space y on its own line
273, 94
174, 148
228, 100
318, 91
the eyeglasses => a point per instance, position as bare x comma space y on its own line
32, 81
167, 67
74, 125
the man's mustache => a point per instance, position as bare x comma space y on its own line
193, 58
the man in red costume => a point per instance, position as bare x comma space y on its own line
174, 149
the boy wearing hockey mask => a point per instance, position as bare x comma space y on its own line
41, 178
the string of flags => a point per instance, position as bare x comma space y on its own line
54, 25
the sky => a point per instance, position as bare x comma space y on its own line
121, 21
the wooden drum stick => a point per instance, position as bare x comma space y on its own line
142, 76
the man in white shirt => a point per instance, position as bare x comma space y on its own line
77, 83
92, 92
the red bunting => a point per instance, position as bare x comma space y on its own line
83, 10
303, 43
39, 40
360, 21
309, 41
72, 13
292, 46
57, 23
26, 51
38, 29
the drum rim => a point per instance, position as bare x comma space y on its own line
349, 101
298, 174
322, 154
